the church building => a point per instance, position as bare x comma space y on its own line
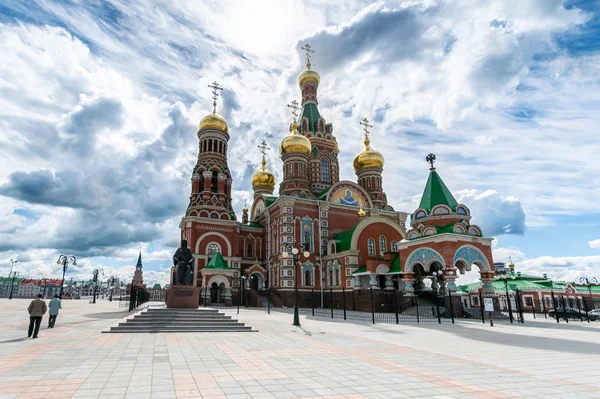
347, 234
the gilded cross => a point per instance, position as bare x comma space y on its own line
431, 159
295, 108
308, 50
215, 94
263, 150
366, 126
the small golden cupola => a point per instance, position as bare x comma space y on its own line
263, 177
295, 142
308, 75
368, 158
214, 120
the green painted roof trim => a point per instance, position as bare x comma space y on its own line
436, 193
254, 225
270, 199
217, 262
363, 269
311, 112
345, 239
395, 266
323, 194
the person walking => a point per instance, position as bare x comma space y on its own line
54, 305
37, 309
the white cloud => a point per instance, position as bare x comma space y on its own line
594, 243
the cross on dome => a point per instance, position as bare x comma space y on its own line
295, 108
431, 159
215, 94
308, 50
366, 126
263, 150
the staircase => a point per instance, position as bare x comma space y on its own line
163, 320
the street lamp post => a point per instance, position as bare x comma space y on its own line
505, 279
15, 274
10, 273
64, 260
112, 287
44, 294
296, 257
95, 280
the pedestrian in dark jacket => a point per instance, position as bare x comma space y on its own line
37, 308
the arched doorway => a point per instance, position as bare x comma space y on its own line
216, 293
419, 284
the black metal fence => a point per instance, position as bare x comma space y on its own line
390, 306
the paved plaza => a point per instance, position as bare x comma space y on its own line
323, 358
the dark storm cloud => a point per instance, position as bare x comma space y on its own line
391, 35
122, 202
82, 125
44, 187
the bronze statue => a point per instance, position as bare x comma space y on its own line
182, 260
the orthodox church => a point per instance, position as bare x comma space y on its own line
347, 234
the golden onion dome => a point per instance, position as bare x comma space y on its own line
263, 177
295, 142
309, 76
368, 158
245, 209
214, 121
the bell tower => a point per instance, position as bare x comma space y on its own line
211, 178
323, 156
368, 166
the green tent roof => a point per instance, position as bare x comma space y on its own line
344, 239
217, 262
436, 193
139, 262
311, 112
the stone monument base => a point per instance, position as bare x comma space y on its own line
183, 296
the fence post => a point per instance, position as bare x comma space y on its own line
585, 307
481, 306
437, 305
417, 303
312, 300
554, 304
521, 307
269, 299
451, 310
396, 304
344, 299
239, 296
372, 305
579, 309
331, 301
543, 303
565, 309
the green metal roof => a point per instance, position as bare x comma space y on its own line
269, 199
395, 266
345, 239
363, 269
217, 262
139, 262
513, 285
311, 112
436, 193
254, 225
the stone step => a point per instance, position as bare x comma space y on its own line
179, 329
181, 311
181, 322
182, 317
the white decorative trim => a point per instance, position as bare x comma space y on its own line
441, 210
363, 224
215, 233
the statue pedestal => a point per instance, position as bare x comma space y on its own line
183, 296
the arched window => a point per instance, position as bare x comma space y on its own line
212, 249
371, 244
214, 183
382, 244
308, 278
325, 175
249, 250
300, 169
394, 246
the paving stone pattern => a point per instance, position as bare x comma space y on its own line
323, 358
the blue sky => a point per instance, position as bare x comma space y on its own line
100, 101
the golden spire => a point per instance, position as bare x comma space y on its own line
214, 121
308, 50
361, 213
368, 157
245, 208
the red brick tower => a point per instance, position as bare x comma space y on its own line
323, 157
